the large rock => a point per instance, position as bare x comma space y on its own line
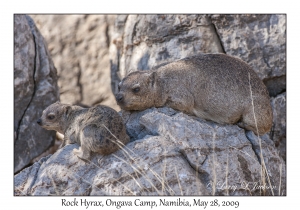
260, 41
79, 47
35, 87
170, 154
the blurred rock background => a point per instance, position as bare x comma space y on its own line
79, 46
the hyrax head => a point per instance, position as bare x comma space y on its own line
53, 117
137, 90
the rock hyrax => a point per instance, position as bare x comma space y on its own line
214, 87
98, 129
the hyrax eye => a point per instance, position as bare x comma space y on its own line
50, 117
135, 90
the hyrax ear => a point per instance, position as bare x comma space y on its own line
152, 78
67, 110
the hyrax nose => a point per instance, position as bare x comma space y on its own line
119, 97
39, 121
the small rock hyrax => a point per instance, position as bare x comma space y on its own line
99, 129
215, 87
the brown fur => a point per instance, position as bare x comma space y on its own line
95, 129
214, 87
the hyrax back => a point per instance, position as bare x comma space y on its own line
99, 129
215, 87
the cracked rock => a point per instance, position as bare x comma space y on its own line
259, 40
35, 87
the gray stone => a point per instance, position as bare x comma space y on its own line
272, 166
35, 86
27, 177
278, 132
275, 85
259, 40
79, 47
170, 154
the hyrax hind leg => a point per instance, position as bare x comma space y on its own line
260, 122
86, 138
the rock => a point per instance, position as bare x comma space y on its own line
35, 86
278, 132
272, 166
170, 154
81, 55
149, 40
27, 177
259, 40
276, 85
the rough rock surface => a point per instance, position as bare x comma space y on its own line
260, 41
35, 86
278, 133
79, 47
170, 154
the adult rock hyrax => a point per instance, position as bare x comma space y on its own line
99, 129
214, 87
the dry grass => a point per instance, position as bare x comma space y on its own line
264, 171
280, 171
178, 181
213, 166
19, 190
226, 176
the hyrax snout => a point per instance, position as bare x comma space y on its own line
137, 91
214, 87
99, 129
